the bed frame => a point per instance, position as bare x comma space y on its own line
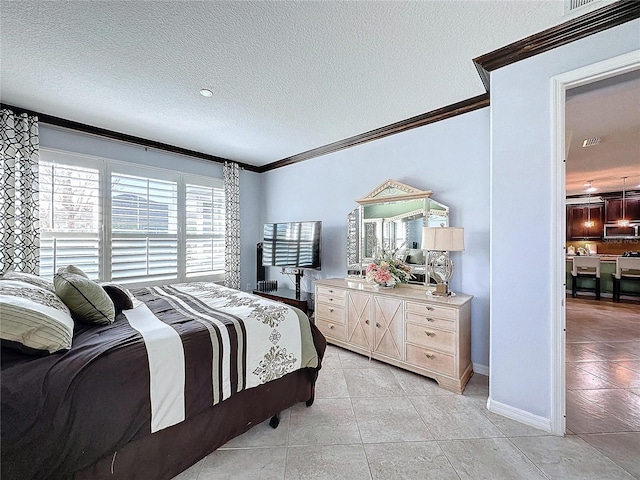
169, 452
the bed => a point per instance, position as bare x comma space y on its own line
185, 369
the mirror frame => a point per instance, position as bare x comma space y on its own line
390, 191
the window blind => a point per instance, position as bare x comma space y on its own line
205, 212
144, 228
129, 223
70, 218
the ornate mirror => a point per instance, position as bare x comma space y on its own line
391, 217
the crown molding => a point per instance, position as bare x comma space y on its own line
123, 137
596, 21
449, 111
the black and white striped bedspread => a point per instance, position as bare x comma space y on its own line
252, 340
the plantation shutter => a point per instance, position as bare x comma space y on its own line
70, 218
144, 229
205, 224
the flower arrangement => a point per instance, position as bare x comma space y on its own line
387, 270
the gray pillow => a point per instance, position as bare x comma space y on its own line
34, 317
29, 278
86, 299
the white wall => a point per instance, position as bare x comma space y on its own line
250, 184
449, 157
522, 191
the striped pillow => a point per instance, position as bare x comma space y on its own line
34, 317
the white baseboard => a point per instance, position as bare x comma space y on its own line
481, 369
518, 415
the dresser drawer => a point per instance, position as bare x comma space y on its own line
331, 329
430, 310
431, 360
330, 313
332, 296
430, 322
431, 338
331, 292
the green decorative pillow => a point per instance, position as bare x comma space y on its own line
34, 319
72, 269
29, 278
86, 299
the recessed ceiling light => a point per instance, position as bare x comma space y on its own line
205, 92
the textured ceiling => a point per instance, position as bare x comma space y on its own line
286, 77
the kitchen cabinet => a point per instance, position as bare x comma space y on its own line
577, 215
613, 209
402, 326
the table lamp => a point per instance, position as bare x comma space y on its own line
439, 241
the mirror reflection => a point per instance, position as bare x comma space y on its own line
391, 218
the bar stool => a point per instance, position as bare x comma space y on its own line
627, 268
585, 267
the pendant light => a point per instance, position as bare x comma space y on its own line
589, 223
623, 222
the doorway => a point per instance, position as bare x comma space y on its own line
560, 84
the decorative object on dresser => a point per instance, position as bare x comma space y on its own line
429, 335
387, 270
439, 241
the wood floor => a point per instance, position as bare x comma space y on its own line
603, 366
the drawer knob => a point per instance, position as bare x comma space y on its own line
331, 299
331, 309
377, 325
331, 325
429, 355
429, 319
367, 322
429, 309
330, 291
429, 334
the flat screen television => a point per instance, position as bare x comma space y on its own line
292, 244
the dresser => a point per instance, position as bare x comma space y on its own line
401, 326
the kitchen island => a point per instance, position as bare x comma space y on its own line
607, 271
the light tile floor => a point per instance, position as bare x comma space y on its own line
603, 377
374, 421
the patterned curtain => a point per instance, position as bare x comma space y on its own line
19, 224
232, 225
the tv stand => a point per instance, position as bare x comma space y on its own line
294, 298
298, 274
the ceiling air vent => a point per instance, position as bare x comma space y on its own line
590, 142
571, 5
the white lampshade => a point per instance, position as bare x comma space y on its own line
447, 239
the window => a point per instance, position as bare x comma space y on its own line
144, 228
205, 209
70, 219
127, 223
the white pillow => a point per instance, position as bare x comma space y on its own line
34, 317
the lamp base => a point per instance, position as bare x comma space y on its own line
442, 290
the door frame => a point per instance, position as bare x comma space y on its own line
559, 85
